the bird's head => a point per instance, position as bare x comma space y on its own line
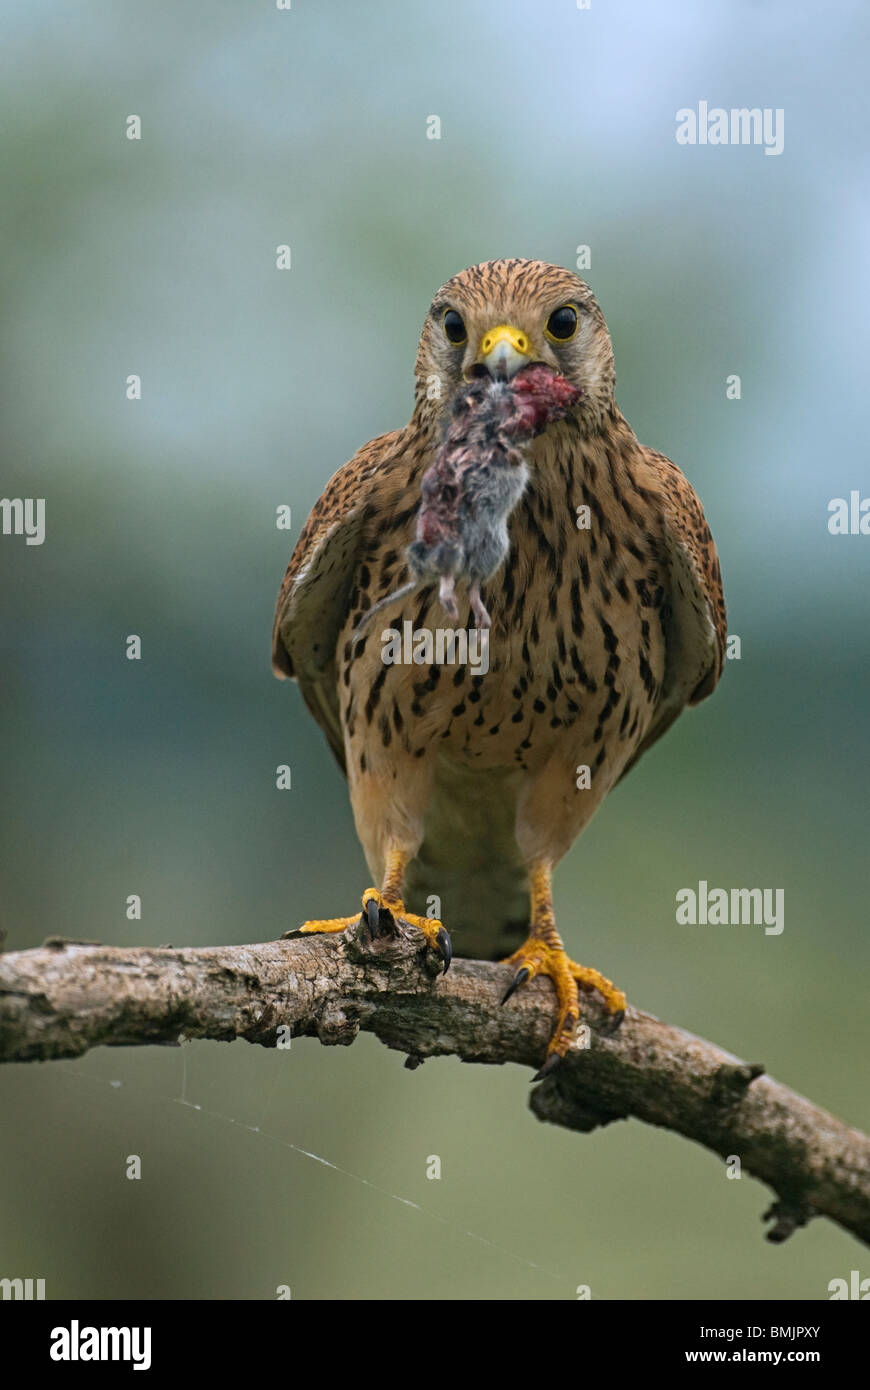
503, 315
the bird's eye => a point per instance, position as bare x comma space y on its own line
454, 328
562, 323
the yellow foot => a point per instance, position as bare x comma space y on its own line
538, 957
381, 914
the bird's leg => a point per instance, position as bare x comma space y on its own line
389, 900
544, 954
381, 907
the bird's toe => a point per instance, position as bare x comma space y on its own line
378, 915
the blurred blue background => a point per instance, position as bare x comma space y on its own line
307, 127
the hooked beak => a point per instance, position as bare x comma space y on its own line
503, 350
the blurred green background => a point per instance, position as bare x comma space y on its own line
308, 127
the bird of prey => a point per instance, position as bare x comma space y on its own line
607, 620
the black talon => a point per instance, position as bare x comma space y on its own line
614, 1023
380, 919
549, 1066
445, 945
519, 979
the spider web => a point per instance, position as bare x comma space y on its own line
377, 1189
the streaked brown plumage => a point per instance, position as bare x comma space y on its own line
600, 636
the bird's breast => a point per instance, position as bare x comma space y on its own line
574, 659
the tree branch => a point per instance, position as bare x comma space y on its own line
65, 997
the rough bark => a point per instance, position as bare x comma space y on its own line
66, 997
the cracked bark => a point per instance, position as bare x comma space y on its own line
65, 997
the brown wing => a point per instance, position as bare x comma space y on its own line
694, 614
314, 598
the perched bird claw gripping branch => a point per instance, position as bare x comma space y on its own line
588, 562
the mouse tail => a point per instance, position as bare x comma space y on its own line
394, 597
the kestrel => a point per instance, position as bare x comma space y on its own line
607, 620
